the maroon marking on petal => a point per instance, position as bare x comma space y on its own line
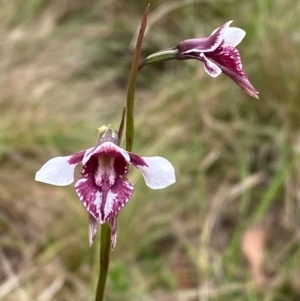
107, 148
121, 166
90, 167
137, 160
228, 58
242, 81
76, 158
123, 190
105, 189
88, 192
208, 44
199, 44
95, 198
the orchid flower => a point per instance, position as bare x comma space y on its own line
103, 188
218, 53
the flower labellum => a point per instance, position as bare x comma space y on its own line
103, 188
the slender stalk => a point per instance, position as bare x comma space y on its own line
132, 82
160, 56
104, 261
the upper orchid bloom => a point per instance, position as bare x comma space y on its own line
104, 189
218, 53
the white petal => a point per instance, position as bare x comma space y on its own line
57, 171
106, 147
234, 36
209, 67
159, 172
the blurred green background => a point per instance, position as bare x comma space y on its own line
229, 229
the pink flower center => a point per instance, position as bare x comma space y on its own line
105, 171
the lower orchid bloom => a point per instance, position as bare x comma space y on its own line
103, 188
217, 52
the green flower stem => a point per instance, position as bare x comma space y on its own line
160, 56
121, 127
104, 261
132, 83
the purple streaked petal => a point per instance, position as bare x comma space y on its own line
158, 172
98, 203
121, 166
137, 160
234, 36
120, 193
229, 57
90, 167
208, 44
95, 164
229, 60
60, 170
89, 195
242, 81
209, 67
77, 157
106, 148
92, 229
103, 205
